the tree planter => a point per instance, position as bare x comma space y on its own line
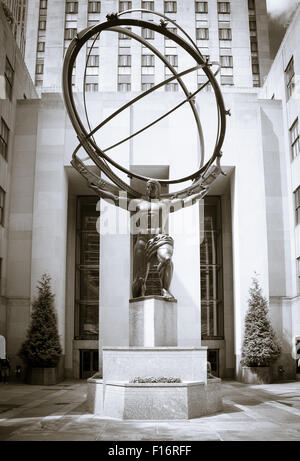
42, 376
256, 375
41, 351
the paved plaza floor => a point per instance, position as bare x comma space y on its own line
59, 413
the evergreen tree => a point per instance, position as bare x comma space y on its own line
260, 347
42, 346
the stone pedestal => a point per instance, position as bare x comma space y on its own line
153, 352
152, 322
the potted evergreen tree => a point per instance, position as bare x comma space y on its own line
260, 346
41, 350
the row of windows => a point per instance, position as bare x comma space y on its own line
148, 60
39, 67
203, 34
254, 45
146, 33
126, 86
93, 7
171, 7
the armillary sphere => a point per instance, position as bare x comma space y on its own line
116, 23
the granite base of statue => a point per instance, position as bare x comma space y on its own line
176, 383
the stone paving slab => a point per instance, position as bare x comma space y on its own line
59, 413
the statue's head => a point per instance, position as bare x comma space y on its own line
153, 189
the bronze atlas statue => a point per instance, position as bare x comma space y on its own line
153, 247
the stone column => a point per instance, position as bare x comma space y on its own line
55, 43
50, 204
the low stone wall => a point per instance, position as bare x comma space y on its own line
151, 401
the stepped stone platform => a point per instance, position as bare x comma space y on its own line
153, 351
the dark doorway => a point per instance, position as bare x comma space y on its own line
89, 363
213, 359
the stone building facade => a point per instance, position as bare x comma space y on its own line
246, 224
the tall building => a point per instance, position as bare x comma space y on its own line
15, 13
282, 86
15, 84
246, 224
234, 33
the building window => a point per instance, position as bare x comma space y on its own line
87, 269
70, 33
297, 204
170, 7
254, 47
202, 34
2, 204
123, 6
256, 80
124, 60
255, 65
93, 61
89, 87
226, 61
94, 7
227, 80
171, 87
42, 24
252, 25
223, 7
72, 7
295, 140
43, 4
225, 34
172, 59
147, 86
148, 34
147, 60
251, 5
290, 78
9, 78
41, 46
211, 270
4, 134
148, 6
39, 68
124, 87
201, 7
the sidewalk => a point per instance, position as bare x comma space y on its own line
59, 413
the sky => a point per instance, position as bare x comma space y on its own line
280, 12
281, 9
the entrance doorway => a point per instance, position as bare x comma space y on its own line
89, 362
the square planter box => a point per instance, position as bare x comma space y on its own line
42, 376
257, 375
